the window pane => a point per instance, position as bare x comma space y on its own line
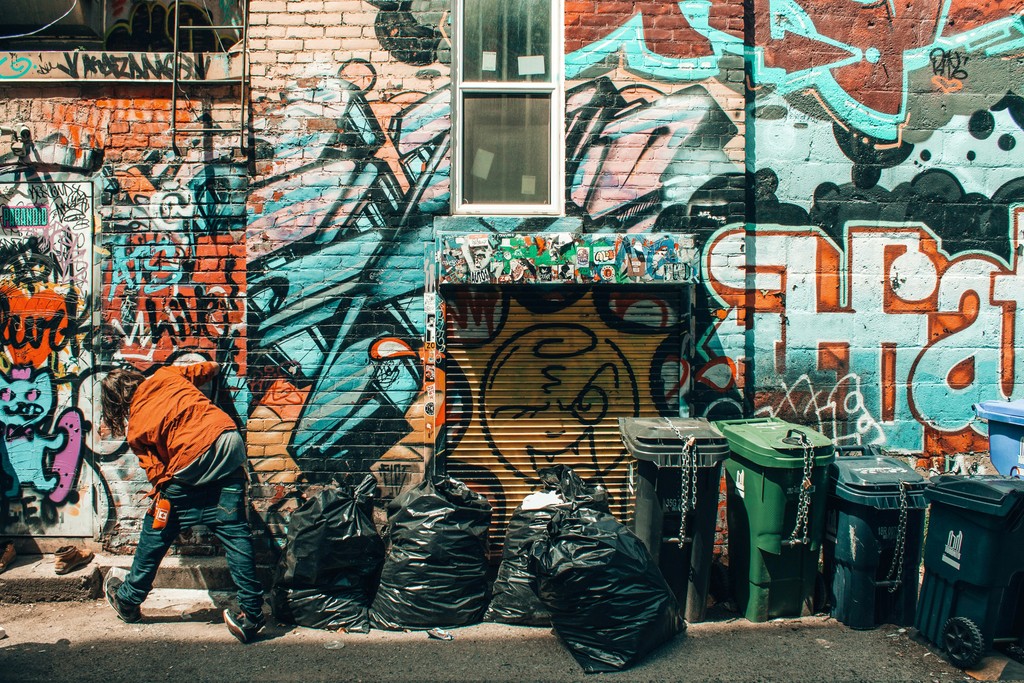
505, 157
507, 40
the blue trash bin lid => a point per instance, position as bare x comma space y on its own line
991, 494
1011, 412
876, 481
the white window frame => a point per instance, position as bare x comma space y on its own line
555, 89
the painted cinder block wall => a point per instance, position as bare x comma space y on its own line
850, 171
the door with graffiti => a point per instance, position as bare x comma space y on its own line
46, 262
538, 376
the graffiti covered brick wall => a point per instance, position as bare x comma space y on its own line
849, 172
159, 278
851, 189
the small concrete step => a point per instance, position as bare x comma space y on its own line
197, 573
31, 578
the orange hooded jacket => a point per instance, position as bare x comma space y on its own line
171, 422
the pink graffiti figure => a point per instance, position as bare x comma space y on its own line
26, 398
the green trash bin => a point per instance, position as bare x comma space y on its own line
776, 486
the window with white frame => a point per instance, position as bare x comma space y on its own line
508, 98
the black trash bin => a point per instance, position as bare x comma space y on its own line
874, 531
678, 470
973, 566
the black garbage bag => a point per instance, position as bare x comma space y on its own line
327, 607
513, 600
608, 601
329, 570
435, 572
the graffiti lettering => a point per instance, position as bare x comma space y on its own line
18, 67
856, 55
23, 216
949, 64
918, 347
838, 412
127, 66
20, 329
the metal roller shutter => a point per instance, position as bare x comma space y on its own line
539, 375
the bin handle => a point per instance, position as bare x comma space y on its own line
1015, 472
799, 439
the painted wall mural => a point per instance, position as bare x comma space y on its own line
662, 133
883, 338
46, 245
850, 174
540, 377
172, 272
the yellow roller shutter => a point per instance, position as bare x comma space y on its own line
539, 375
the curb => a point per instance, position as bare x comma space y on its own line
35, 582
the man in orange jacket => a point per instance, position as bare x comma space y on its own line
194, 457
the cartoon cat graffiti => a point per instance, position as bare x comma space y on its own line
27, 397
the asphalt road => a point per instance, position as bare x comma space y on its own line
183, 639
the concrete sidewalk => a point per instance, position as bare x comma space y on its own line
182, 637
186, 584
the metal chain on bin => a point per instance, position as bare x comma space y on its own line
687, 480
896, 570
801, 532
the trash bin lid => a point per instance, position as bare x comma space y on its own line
876, 481
656, 439
991, 494
869, 449
771, 442
1001, 411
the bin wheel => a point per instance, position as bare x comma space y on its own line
963, 642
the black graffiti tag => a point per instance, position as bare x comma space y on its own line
128, 66
949, 64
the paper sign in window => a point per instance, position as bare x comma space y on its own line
489, 61
531, 66
482, 161
529, 184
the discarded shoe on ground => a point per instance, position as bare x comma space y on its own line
7, 556
69, 558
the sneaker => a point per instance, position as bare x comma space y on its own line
129, 614
7, 556
242, 626
69, 558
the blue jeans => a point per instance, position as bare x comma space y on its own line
221, 508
